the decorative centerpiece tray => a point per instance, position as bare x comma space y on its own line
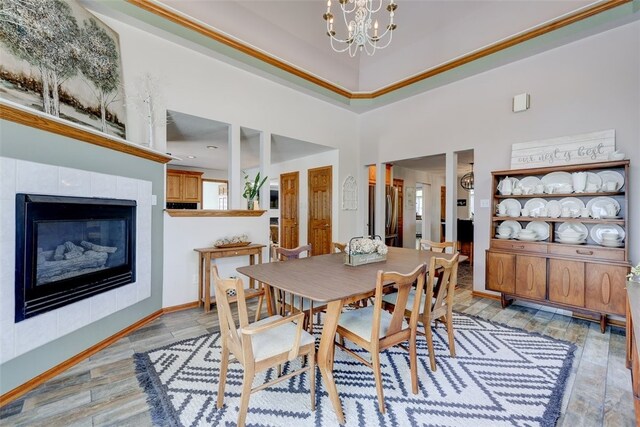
363, 250
233, 245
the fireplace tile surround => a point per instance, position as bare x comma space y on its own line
18, 176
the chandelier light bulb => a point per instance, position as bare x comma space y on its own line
358, 16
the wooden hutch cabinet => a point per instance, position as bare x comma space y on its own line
584, 276
184, 186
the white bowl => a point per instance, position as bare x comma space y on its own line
616, 156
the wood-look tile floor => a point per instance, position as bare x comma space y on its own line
103, 390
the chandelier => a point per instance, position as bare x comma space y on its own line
359, 22
466, 181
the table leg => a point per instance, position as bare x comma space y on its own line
252, 281
268, 295
325, 355
207, 283
201, 266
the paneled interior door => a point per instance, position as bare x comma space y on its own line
289, 229
320, 194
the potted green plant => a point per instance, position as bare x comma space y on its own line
252, 190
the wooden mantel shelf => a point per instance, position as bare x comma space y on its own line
38, 120
193, 213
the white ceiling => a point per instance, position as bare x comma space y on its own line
189, 135
430, 32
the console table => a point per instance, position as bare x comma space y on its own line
204, 271
633, 350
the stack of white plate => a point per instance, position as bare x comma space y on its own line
573, 233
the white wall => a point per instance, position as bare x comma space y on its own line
589, 85
196, 84
183, 235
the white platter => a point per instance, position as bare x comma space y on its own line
574, 204
557, 179
514, 225
511, 204
597, 206
514, 184
614, 176
535, 206
575, 226
594, 179
502, 237
530, 182
599, 229
541, 229
554, 209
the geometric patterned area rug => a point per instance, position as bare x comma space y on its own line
501, 376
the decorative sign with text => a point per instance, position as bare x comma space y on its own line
567, 150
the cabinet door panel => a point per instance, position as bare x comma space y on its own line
566, 282
174, 187
531, 276
192, 186
501, 272
605, 288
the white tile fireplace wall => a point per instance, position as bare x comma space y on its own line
18, 176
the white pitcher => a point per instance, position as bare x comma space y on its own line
506, 186
579, 181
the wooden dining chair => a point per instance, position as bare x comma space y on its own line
376, 330
440, 247
292, 303
339, 247
259, 346
436, 303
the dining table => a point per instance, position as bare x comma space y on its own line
327, 279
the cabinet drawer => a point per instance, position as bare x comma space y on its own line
606, 288
588, 252
519, 246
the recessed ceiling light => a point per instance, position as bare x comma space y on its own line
191, 157
212, 147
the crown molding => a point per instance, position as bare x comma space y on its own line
208, 31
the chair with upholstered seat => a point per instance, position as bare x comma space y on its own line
436, 302
339, 247
440, 247
376, 330
293, 303
259, 346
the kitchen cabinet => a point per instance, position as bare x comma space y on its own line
184, 186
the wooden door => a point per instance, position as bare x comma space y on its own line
531, 276
399, 183
174, 187
289, 183
605, 288
501, 269
566, 282
320, 195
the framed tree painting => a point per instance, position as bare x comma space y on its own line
60, 59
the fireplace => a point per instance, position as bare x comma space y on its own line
71, 248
